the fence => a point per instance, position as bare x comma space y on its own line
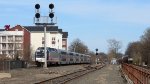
7, 65
136, 74
4, 66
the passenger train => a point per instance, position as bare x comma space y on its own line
57, 56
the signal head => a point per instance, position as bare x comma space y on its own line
51, 15
51, 6
96, 49
37, 15
96, 53
37, 6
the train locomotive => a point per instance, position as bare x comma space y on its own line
58, 56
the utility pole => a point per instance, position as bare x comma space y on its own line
44, 21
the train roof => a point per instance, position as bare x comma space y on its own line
59, 50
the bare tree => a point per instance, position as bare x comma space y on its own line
114, 46
103, 57
78, 46
140, 50
134, 51
145, 40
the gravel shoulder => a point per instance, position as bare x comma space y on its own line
108, 75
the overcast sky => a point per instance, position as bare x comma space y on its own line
92, 21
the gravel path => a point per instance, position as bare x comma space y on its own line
106, 75
32, 75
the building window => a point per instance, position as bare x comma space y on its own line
53, 38
3, 38
18, 38
43, 40
10, 52
64, 43
3, 46
10, 38
18, 46
10, 46
3, 52
53, 41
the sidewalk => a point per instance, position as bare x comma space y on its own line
108, 75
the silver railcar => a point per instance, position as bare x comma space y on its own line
57, 56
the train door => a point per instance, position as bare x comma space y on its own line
71, 61
63, 56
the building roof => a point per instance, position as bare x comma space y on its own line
2, 29
41, 28
49, 28
65, 34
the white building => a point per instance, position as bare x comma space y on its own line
55, 38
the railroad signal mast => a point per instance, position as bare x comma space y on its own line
44, 21
96, 51
96, 60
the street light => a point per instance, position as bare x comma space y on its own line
44, 21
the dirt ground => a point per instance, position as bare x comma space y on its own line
33, 75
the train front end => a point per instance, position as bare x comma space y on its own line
39, 57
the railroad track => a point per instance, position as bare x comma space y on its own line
68, 77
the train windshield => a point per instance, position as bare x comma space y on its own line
39, 54
48, 48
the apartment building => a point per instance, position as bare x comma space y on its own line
15, 42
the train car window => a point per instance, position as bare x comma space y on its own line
70, 53
81, 55
52, 49
71, 59
63, 59
64, 53
77, 54
39, 54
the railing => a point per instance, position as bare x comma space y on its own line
136, 74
